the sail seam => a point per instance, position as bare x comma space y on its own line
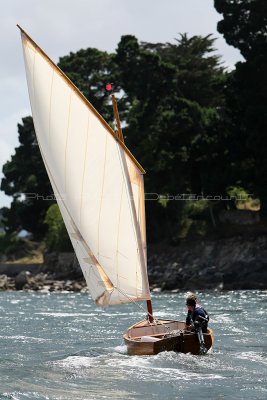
140, 254
138, 219
84, 165
143, 217
101, 198
33, 77
127, 192
66, 143
50, 107
118, 231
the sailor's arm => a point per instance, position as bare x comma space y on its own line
188, 320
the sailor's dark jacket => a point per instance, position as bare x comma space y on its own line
198, 311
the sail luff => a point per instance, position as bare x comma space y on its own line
135, 221
85, 100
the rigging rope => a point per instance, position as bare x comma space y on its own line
157, 321
140, 306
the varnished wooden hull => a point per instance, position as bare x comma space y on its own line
168, 335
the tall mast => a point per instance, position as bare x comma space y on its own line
109, 88
149, 311
116, 113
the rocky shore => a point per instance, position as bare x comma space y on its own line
235, 263
224, 264
58, 272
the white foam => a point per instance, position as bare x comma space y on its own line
76, 362
53, 314
122, 349
252, 356
25, 338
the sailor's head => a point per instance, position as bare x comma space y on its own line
191, 300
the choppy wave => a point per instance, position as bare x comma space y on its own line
62, 347
25, 339
62, 315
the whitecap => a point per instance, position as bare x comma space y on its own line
77, 362
252, 356
122, 349
53, 314
25, 338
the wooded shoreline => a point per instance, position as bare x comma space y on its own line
235, 263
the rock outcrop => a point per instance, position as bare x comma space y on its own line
224, 264
60, 271
230, 264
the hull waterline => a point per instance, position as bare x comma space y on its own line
144, 338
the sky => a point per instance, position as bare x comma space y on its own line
61, 26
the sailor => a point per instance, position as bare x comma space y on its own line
196, 314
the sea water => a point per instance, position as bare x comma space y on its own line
61, 346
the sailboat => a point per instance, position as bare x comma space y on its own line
99, 188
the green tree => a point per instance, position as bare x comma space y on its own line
170, 97
173, 92
90, 70
244, 26
26, 180
56, 237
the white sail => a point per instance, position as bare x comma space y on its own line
98, 183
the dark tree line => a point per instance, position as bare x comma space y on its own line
24, 176
244, 26
194, 126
